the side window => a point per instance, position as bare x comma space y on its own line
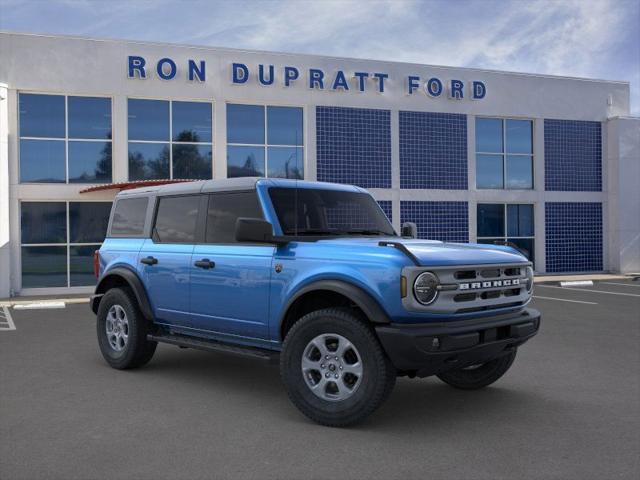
225, 209
128, 217
176, 219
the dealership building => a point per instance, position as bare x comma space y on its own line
548, 163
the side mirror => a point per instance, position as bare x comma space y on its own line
253, 230
409, 229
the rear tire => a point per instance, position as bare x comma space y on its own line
334, 369
122, 330
479, 376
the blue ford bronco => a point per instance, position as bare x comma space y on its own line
312, 274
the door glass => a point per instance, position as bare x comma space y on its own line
176, 219
224, 210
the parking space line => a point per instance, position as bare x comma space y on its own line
6, 322
590, 290
565, 300
622, 284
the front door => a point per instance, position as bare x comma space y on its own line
230, 281
165, 259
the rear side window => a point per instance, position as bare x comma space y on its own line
128, 217
176, 219
224, 210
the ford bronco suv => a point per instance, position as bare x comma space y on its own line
315, 275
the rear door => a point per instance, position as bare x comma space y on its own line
166, 257
230, 281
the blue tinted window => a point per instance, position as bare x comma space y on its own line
44, 267
88, 221
519, 172
148, 161
89, 117
148, 119
245, 124
191, 121
42, 161
89, 162
519, 136
490, 220
81, 265
192, 161
41, 115
489, 171
520, 220
489, 135
245, 161
286, 162
43, 222
525, 245
284, 126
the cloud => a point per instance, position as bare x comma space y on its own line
589, 38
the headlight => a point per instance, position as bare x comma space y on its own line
529, 279
425, 288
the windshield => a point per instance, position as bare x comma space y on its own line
328, 212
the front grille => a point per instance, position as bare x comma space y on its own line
474, 288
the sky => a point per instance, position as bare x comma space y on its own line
579, 38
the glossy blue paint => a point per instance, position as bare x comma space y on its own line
244, 298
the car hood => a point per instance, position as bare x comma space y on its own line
436, 253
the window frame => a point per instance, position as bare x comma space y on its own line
506, 237
209, 196
66, 139
67, 244
266, 145
504, 154
170, 142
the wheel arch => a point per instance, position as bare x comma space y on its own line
123, 277
328, 293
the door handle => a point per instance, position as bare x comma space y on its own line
205, 263
149, 260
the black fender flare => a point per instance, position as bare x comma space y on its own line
133, 281
363, 300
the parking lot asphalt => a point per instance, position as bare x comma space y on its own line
568, 408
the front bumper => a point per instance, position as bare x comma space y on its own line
428, 349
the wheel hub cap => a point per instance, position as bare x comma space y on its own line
332, 367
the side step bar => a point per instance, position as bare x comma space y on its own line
185, 341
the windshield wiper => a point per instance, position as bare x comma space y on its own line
365, 231
315, 231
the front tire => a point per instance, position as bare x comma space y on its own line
334, 369
122, 331
479, 376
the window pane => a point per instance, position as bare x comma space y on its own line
490, 220
41, 115
129, 217
88, 221
89, 162
89, 117
81, 265
44, 267
224, 210
525, 244
286, 162
176, 219
489, 171
245, 124
245, 161
520, 220
42, 161
519, 133
284, 126
191, 121
43, 222
519, 171
148, 120
148, 161
489, 135
192, 161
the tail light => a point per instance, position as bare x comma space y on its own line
96, 263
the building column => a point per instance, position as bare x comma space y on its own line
5, 244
